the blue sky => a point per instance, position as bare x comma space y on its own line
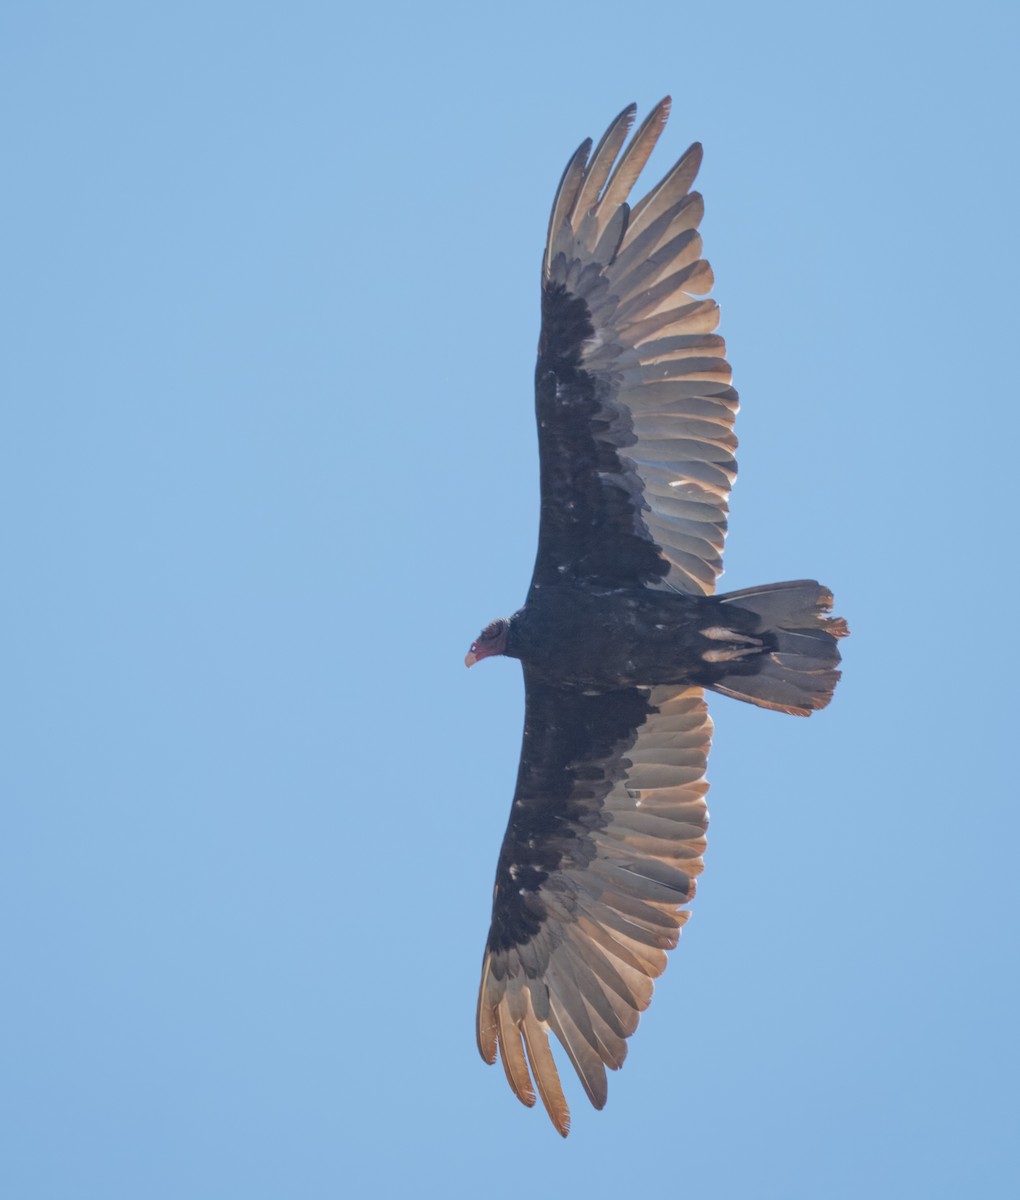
268, 464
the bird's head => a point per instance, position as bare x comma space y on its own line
492, 640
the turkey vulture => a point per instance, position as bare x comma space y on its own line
620, 633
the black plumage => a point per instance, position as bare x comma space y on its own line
620, 633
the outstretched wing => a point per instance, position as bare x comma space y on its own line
633, 398
604, 841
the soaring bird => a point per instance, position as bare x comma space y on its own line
621, 633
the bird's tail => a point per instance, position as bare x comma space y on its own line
796, 671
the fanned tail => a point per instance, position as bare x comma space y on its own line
799, 671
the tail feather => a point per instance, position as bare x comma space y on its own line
799, 672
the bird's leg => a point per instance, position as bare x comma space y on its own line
718, 634
740, 645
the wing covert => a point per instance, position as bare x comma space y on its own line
633, 399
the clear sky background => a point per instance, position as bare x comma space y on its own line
269, 312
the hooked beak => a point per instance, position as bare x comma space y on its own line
470, 658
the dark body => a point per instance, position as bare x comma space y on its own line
596, 640
621, 631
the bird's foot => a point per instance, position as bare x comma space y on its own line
740, 645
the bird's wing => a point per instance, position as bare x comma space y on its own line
604, 841
633, 398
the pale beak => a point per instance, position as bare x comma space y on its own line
470, 658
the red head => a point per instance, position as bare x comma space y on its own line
492, 640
